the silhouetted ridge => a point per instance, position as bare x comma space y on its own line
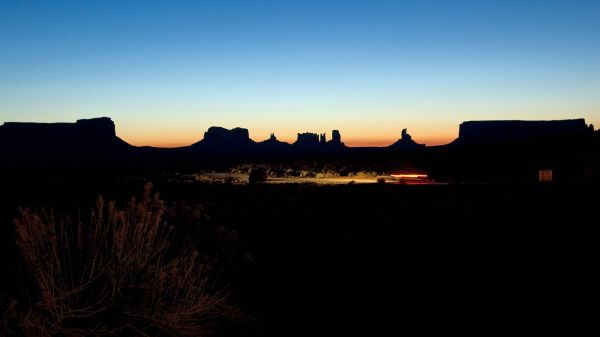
318, 142
406, 142
218, 138
510, 149
307, 140
273, 145
336, 140
481, 132
84, 134
336, 137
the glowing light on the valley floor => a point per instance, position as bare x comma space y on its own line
409, 175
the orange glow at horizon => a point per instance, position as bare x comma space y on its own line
358, 142
368, 133
382, 142
186, 139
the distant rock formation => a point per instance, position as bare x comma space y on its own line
218, 138
336, 140
484, 132
91, 145
221, 139
307, 140
318, 142
219, 135
273, 145
84, 134
406, 142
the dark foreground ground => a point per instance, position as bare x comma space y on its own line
378, 259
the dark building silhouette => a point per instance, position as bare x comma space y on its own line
481, 132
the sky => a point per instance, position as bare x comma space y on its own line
165, 71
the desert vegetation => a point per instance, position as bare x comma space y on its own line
116, 271
296, 258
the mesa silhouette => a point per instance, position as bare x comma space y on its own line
485, 132
481, 145
98, 134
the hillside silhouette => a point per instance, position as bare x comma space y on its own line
485, 132
484, 150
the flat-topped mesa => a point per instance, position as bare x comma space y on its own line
84, 131
319, 141
218, 138
500, 131
102, 127
307, 139
406, 142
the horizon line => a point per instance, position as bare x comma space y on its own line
362, 142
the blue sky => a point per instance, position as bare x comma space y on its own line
167, 70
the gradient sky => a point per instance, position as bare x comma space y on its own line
165, 71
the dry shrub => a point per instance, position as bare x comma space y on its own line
118, 273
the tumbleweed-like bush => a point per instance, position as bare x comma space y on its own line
117, 273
